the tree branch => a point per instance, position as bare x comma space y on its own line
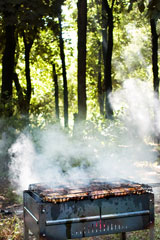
113, 1
106, 5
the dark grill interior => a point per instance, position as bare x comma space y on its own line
97, 208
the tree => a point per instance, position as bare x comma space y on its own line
107, 52
28, 42
100, 89
82, 28
155, 55
154, 14
153, 10
8, 70
65, 87
26, 18
9, 22
34, 19
95, 68
56, 92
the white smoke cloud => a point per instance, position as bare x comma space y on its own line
139, 105
133, 59
119, 150
23, 157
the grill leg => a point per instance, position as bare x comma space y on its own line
151, 232
42, 238
123, 236
26, 232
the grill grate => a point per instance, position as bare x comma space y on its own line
94, 190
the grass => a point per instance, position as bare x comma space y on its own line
11, 228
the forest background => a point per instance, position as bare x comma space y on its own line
60, 62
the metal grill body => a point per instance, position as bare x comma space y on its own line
88, 217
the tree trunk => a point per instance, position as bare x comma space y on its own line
8, 70
65, 87
155, 67
56, 92
155, 56
28, 46
82, 29
21, 99
100, 90
107, 54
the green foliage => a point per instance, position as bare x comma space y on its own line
131, 54
28, 13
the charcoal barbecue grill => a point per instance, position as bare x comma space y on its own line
98, 208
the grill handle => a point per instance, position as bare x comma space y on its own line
27, 210
97, 218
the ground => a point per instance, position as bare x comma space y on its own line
11, 218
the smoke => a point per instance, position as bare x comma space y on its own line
139, 106
112, 149
133, 60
